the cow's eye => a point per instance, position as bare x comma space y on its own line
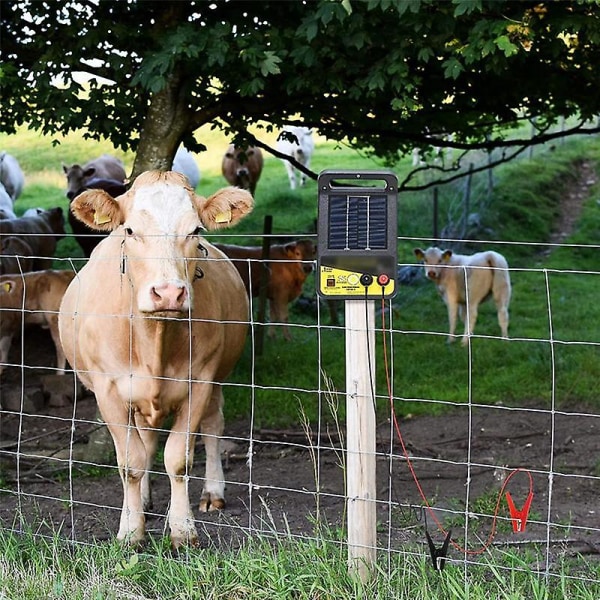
129, 231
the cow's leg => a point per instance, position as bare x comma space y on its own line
470, 320
179, 457
149, 438
61, 361
291, 175
131, 459
452, 313
213, 493
503, 318
303, 176
279, 313
5, 343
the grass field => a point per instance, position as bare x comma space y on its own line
521, 211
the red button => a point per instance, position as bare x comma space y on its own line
383, 279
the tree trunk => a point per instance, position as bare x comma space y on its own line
165, 124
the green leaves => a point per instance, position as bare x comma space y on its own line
452, 68
270, 64
336, 64
465, 7
508, 48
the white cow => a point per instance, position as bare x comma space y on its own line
466, 281
153, 324
6, 205
185, 164
11, 175
302, 151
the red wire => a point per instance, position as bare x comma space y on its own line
488, 542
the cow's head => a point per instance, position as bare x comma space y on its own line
76, 178
434, 260
304, 251
160, 220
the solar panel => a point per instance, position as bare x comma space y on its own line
357, 222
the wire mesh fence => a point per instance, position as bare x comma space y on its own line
467, 470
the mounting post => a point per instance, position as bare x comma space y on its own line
361, 485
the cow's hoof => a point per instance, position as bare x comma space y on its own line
184, 541
210, 502
132, 540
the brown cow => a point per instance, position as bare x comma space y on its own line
288, 267
103, 167
242, 167
42, 231
16, 255
153, 324
32, 299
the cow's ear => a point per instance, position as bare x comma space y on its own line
291, 249
89, 171
224, 208
447, 255
98, 210
7, 286
419, 253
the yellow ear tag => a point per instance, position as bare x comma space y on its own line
101, 219
7, 287
223, 217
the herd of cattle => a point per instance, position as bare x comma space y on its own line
168, 322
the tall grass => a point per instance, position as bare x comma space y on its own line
32, 568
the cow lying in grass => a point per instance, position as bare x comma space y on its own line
288, 267
466, 281
32, 299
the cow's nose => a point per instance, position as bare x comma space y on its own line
70, 195
431, 274
168, 296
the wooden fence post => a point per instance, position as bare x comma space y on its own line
361, 485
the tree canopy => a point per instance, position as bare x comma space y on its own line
384, 75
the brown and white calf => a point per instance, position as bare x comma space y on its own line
153, 324
466, 281
32, 299
288, 266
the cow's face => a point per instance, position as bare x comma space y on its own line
75, 177
160, 221
434, 261
302, 250
161, 239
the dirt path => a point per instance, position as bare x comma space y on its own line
571, 206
